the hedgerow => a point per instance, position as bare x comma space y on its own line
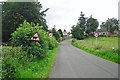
16, 64
22, 35
26, 58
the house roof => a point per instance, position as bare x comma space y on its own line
101, 30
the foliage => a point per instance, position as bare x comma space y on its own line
92, 24
103, 49
10, 61
79, 29
60, 32
14, 13
77, 33
52, 43
110, 25
16, 64
56, 34
22, 35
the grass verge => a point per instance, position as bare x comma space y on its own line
23, 67
107, 47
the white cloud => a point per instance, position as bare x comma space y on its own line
64, 13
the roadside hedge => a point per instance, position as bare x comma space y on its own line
26, 58
22, 35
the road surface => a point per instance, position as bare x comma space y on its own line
72, 62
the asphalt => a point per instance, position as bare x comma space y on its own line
72, 62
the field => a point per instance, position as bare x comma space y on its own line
105, 47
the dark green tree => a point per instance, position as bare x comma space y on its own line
82, 22
102, 25
111, 25
61, 33
77, 32
79, 29
56, 34
14, 13
91, 25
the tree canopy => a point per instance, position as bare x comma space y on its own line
110, 25
79, 29
14, 13
91, 25
84, 27
56, 34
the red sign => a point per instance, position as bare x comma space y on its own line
35, 37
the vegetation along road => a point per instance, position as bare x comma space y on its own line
72, 62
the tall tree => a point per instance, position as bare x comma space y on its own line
111, 25
14, 13
79, 29
102, 25
77, 32
82, 22
91, 25
56, 34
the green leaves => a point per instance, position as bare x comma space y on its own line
29, 59
22, 35
79, 29
14, 13
20, 66
92, 24
111, 25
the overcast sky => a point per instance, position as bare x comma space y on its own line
65, 13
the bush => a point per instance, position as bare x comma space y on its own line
10, 61
22, 35
52, 43
16, 64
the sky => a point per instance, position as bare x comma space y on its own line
65, 13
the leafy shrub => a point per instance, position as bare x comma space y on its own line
22, 35
10, 62
9, 69
16, 64
52, 43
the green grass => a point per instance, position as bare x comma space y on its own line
105, 47
40, 68
28, 68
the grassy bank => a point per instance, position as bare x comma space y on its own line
104, 47
22, 67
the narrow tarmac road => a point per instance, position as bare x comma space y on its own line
72, 62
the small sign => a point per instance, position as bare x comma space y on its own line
35, 37
50, 34
96, 35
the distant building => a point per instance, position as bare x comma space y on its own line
102, 31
